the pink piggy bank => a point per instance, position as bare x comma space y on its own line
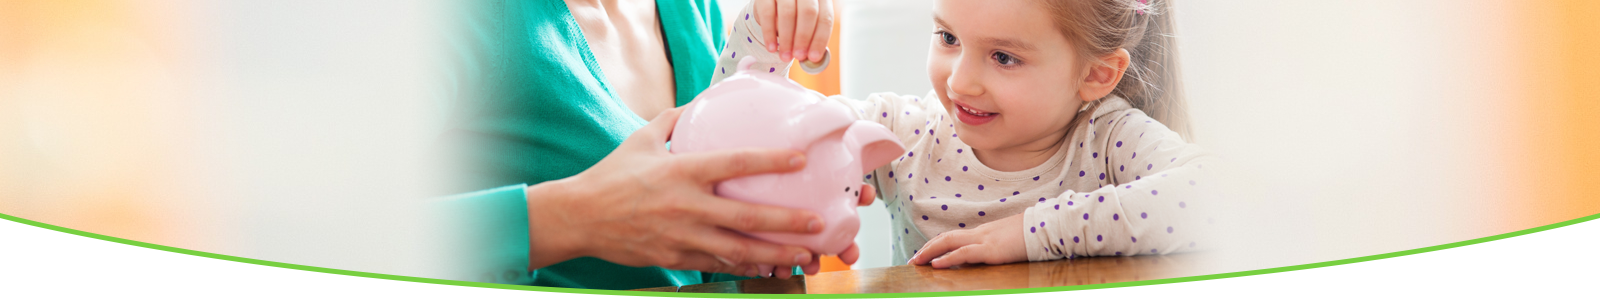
757, 108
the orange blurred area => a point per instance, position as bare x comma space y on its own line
87, 115
827, 83
1560, 113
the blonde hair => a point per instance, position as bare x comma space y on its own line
1145, 29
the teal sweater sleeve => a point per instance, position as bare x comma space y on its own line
532, 105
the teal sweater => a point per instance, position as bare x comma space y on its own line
534, 106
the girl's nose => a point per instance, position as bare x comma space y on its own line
964, 78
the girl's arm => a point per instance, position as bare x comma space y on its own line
1157, 205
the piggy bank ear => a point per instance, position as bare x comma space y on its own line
873, 144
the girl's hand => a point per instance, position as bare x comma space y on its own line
803, 27
644, 206
997, 242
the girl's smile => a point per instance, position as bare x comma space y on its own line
972, 116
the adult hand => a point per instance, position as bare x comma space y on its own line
802, 27
849, 256
643, 206
994, 243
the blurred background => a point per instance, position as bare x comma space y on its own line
292, 130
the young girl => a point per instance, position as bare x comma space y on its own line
1055, 129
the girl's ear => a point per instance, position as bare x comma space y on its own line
1104, 74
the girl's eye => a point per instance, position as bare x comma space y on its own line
947, 38
1004, 59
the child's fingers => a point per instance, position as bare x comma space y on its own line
767, 17
973, 254
805, 18
939, 246
823, 31
783, 272
786, 12
868, 193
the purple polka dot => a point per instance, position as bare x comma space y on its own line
924, 217
735, 54
1135, 239
1081, 173
1063, 242
1119, 144
1116, 217
916, 131
908, 230
1169, 229
748, 40
947, 178
1102, 176
980, 213
869, 176
1149, 166
1153, 192
891, 173
1085, 216
963, 225
1041, 224
1152, 251
1130, 186
1033, 229
911, 197
724, 70
1074, 240
1095, 155
1137, 177
1135, 155
935, 141
1100, 238
908, 175
963, 168
1041, 199
886, 115
1123, 168
1119, 253
746, 16
770, 70
1191, 182
1002, 199
980, 187
1144, 215
1102, 198
958, 195
1058, 206
1036, 178
1173, 159
911, 154
924, 180
944, 207
1183, 205
1014, 193
958, 150
908, 113
1069, 202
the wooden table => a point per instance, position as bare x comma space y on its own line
906, 278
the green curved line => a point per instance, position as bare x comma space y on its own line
798, 296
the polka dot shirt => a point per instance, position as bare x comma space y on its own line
1123, 185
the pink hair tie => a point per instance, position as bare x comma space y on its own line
1144, 6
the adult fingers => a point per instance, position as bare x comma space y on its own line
783, 272
748, 217
733, 250
659, 130
714, 166
813, 267
822, 32
786, 17
868, 193
850, 255
805, 18
705, 262
767, 17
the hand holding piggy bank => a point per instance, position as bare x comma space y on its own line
757, 108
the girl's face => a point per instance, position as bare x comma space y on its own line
1004, 72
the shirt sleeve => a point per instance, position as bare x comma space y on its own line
484, 236
1157, 202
